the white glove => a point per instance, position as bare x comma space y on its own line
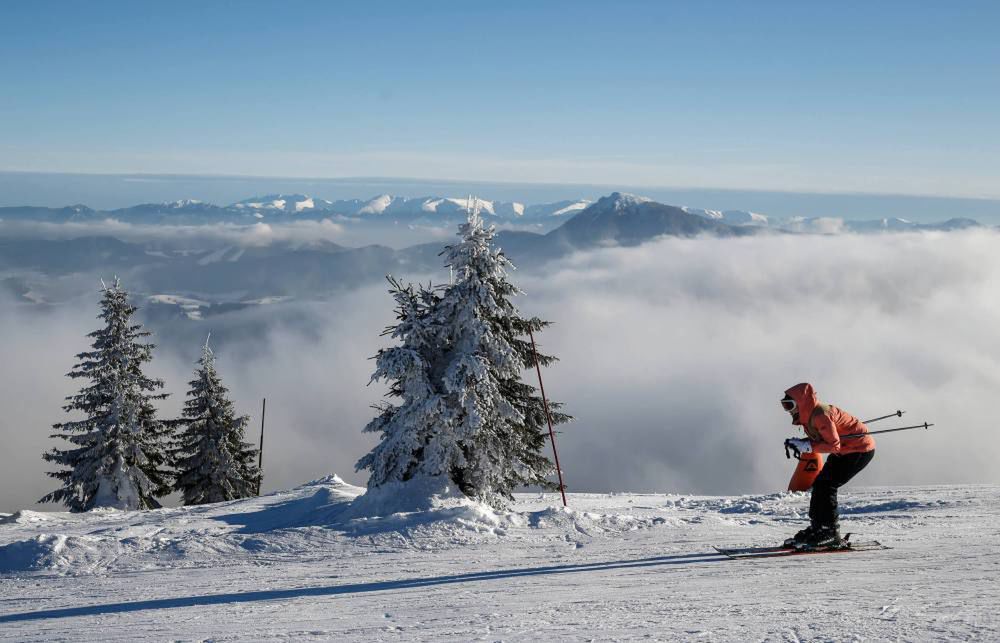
799, 445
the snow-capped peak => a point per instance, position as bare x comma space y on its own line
282, 202
474, 202
620, 201
377, 205
183, 203
435, 204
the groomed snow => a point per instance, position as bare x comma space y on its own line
424, 563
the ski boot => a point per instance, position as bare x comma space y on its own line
800, 538
823, 538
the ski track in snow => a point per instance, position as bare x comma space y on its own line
304, 565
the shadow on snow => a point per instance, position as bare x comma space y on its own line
355, 588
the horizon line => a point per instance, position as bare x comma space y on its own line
613, 187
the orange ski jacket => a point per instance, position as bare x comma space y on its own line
825, 423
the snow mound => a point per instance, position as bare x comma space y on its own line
326, 515
774, 504
435, 509
25, 517
316, 503
423, 513
768, 505
891, 506
584, 522
57, 552
422, 510
421, 502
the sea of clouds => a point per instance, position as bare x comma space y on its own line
343, 230
673, 357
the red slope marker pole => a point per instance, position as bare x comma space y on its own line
260, 455
548, 417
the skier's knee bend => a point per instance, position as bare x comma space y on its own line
823, 486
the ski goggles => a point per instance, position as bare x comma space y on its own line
789, 405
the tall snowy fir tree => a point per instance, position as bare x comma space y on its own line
120, 448
466, 412
499, 420
213, 461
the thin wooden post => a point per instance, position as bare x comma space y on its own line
260, 454
548, 417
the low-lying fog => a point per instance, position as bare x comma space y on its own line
673, 358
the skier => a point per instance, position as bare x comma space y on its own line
824, 424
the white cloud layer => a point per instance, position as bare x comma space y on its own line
252, 235
673, 357
676, 353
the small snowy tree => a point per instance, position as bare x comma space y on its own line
465, 411
120, 447
408, 428
213, 461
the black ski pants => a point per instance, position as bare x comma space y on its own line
835, 474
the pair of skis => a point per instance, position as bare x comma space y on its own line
781, 551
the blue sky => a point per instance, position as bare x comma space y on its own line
828, 97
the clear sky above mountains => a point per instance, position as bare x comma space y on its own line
887, 97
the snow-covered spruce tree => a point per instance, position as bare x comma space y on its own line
213, 462
120, 448
499, 419
408, 428
465, 411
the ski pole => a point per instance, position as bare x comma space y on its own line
897, 414
925, 425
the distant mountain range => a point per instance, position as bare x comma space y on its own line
209, 278
290, 207
430, 210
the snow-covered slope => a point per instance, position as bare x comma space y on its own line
564, 209
313, 564
377, 205
386, 204
291, 203
732, 217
